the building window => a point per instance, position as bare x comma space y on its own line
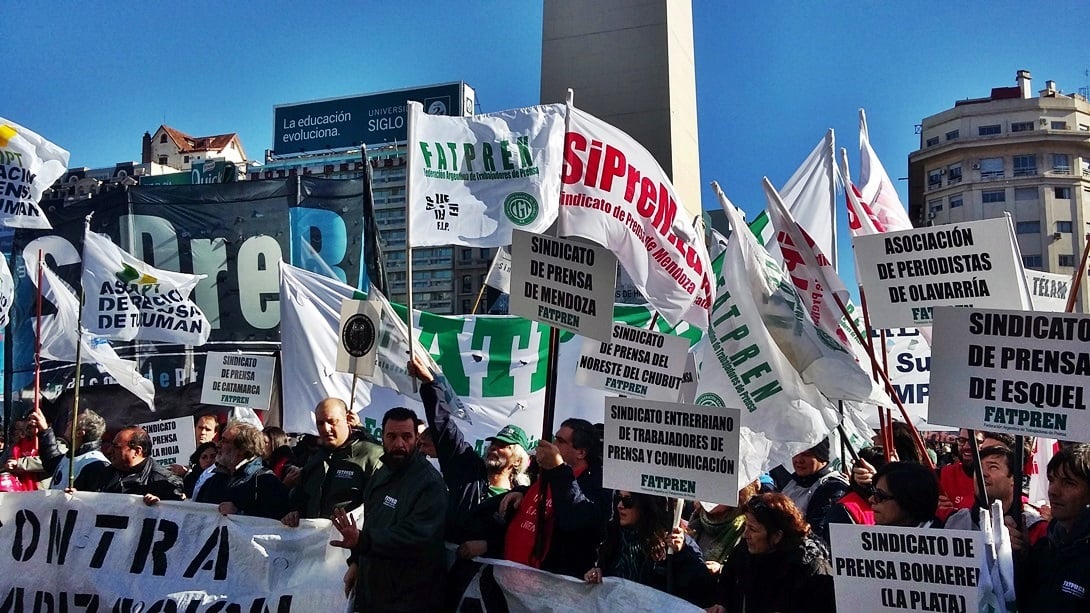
163, 138
466, 254
993, 195
934, 206
953, 174
1025, 165
1022, 126
465, 306
931, 142
934, 179
162, 160
1066, 260
486, 254
1059, 125
1084, 128
953, 135
1022, 194
467, 283
956, 201
991, 168
185, 159
1062, 193
1031, 261
1027, 227
1061, 163
1063, 226
989, 130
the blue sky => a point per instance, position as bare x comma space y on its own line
772, 76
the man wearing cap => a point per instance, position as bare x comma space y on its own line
470, 478
815, 486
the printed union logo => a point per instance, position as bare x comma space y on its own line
521, 208
128, 274
709, 399
358, 335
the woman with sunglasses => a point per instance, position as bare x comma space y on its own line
779, 565
638, 538
905, 494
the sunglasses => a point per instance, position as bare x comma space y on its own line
626, 502
878, 495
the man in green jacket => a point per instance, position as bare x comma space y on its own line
338, 474
398, 561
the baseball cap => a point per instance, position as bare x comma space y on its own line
512, 435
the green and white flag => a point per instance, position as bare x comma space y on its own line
474, 179
128, 299
746, 363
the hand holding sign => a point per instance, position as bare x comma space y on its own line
548, 455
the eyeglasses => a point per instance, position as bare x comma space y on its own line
964, 441
880, 496
626, 502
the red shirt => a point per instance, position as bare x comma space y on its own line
958, 487
522, 531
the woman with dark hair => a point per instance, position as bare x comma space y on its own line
202, 458
278, 453
779, 566
905, 494
638, 539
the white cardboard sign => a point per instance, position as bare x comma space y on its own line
1048, 291
906, 274
563, 283
172, 440
887, 568
1020, 372
238, 380
637, 363
357, 346
668, 449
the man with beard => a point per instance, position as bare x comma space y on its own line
957, 487
240, 484
338, 473
470, 478
398, 560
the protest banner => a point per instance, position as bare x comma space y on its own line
887, 568
29, 164
906, 274
172, 440
563, 283
637, 362
110, 552
357, 350
238, 380
1011, 371
1048, 291
615, 193
670, 449
909, 358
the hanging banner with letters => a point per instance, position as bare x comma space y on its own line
111, 552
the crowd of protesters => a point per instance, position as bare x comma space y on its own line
422, 485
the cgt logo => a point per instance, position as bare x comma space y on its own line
521, 208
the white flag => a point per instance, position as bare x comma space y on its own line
474, 179
127, 299
60, 331
7, 291
877, 189
809, 196
499, 274
29, 164
617, 195
743, 364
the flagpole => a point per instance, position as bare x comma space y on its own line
1076, 278
413, 108
38, 339
75, 398
885, 378
830, 139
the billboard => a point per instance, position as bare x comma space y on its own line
341, 123
209, 171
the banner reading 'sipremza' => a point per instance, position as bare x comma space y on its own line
616, 194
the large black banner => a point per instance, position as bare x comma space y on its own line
233, 233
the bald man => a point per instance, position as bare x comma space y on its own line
336, 476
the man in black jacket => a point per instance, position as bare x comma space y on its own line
1055, 574
131, 471
398, 560
240, 484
